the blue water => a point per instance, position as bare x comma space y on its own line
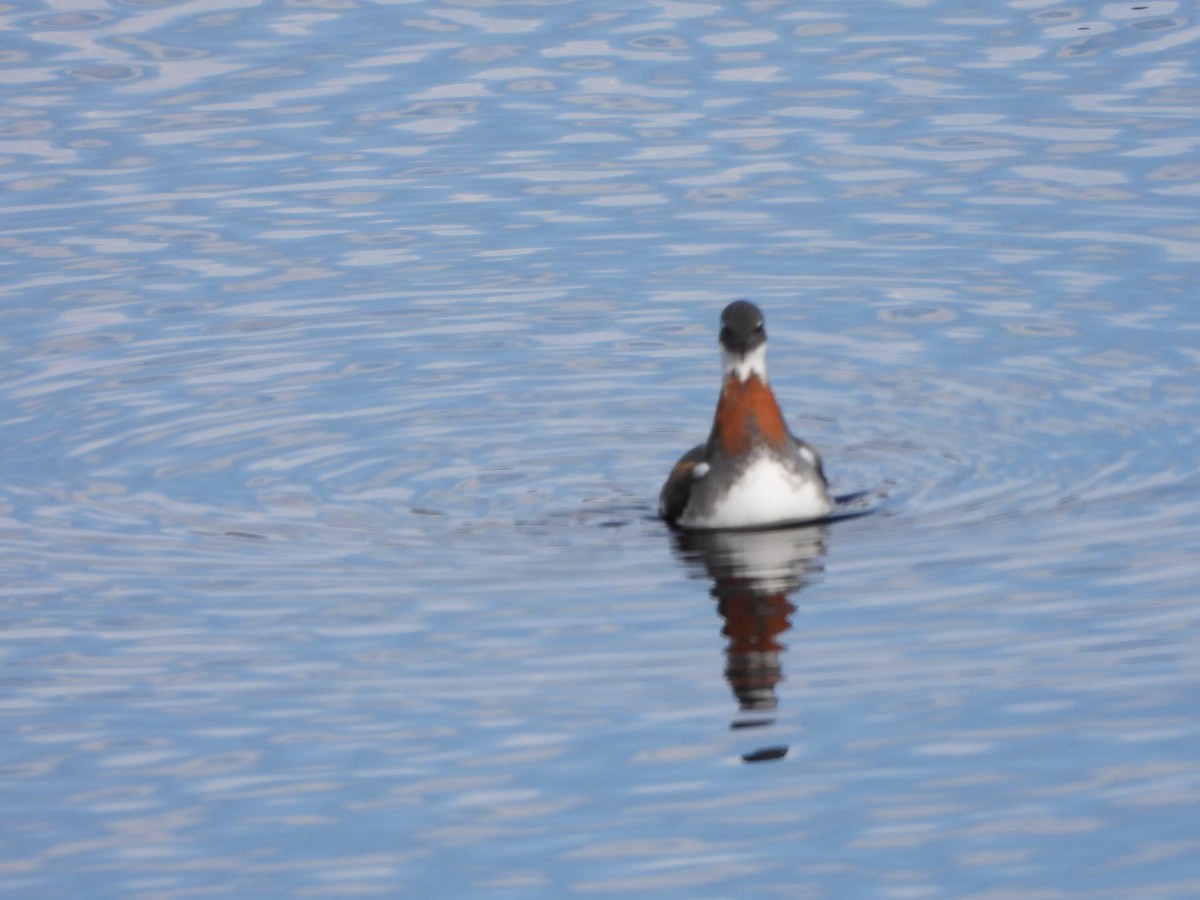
344, 348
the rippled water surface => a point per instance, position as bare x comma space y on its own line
344, 347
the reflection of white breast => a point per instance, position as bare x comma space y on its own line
769, 561
766, 493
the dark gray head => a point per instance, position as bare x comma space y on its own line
742, 329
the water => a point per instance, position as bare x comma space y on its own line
345, 348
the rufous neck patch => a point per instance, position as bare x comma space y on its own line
748, 414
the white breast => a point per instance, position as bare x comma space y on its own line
768, 493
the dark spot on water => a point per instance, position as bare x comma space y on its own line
247, 535
750, 723
765, 754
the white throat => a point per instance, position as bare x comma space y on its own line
753, 363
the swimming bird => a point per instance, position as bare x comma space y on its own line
752, 472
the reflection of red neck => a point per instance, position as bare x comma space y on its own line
746, 409
753, 623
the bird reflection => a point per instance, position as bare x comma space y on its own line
754, 573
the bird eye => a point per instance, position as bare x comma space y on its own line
759, 326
